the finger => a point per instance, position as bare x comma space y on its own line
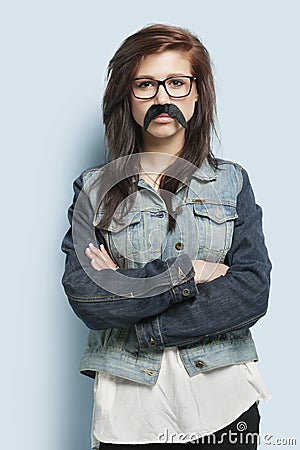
95, 250
100, 265
96, 265
98, 261
101, 253
100, 256
109, 262
106, 255
88, 253
103, 249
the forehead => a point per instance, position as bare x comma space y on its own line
163, 64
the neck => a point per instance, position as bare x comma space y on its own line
155, 162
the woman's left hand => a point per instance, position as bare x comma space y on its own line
99, 257
207, 271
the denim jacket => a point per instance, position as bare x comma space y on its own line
131, 323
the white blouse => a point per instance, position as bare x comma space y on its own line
178, 408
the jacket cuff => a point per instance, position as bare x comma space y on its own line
181, 271
148, 330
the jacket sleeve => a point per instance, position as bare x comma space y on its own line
116, 299
234, 301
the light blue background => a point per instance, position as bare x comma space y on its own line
54, 56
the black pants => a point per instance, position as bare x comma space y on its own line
242, 434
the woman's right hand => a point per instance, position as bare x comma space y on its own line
207, 271
99, 258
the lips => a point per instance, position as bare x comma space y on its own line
163, 118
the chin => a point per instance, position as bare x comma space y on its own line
164, 131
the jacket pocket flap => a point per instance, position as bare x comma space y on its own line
118, 223
217, 212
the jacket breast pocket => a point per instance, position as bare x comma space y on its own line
215, 223
135, 238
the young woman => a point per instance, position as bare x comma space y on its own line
166, 261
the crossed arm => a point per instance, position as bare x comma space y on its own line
117, 299
189, 308
204, 271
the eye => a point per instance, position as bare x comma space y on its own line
177, 82
144, 84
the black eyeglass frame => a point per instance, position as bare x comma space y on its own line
163, 83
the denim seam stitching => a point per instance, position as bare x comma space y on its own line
191, 341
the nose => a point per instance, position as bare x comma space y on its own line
161, 96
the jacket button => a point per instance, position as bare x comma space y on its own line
199, 363
179, 246
186, 292
152, 341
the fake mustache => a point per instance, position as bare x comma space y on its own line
168, 108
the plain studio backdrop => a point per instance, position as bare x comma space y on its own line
53, 60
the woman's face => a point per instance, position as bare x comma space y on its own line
160, 66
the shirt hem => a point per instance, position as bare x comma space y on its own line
194, 434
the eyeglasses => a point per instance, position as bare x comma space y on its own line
175, 87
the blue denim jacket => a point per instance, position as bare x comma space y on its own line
130, 325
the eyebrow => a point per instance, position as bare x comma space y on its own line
168, 76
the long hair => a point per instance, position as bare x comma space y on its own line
124, 135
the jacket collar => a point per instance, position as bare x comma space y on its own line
204, 173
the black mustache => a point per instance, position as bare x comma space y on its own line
168, 108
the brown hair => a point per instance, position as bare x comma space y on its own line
124, 136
